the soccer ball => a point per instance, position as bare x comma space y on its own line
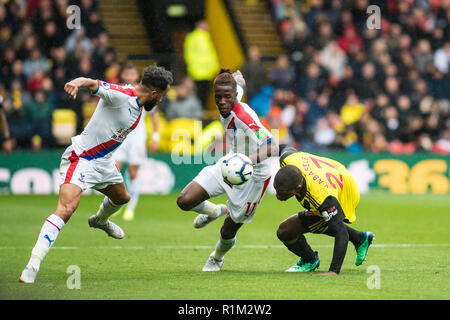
236, 168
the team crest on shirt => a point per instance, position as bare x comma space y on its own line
105, 85
121, 134
81, 178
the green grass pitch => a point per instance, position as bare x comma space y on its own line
162, 255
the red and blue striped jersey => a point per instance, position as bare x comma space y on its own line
117, 113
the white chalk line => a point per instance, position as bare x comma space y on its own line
380, 245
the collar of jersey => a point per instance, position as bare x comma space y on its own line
301, 195
137, 101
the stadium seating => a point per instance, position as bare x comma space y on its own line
64, 125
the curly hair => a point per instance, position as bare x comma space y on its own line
156, 77
289, 177
225, 78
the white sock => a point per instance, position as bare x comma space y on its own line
222, 247
49, 232
208, 208
107, 209
133, 190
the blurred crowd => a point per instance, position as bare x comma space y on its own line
39, 53
343, 85
340, 85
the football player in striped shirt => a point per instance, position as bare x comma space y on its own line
88, 161
330, 196
248, 136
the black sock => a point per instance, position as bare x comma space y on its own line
355, 236
301, 248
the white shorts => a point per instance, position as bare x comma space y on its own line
131, 151
242, 200
96, 174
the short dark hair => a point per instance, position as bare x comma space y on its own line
156, 77
128, 66
289, 177
225, 78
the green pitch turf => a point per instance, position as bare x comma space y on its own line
162, 255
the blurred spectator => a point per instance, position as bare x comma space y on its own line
324, 135
311, 83
334, 60
186, 104
423, 55
35, 62
94, 25
201, 59
317, 109
352, 110
391, 124
442, 57
35, 81
78, 41
442, 145
298, 129
39, 113
103, 54
254, 72
367, 87
51, 37
282, 76
5, 135
350, 41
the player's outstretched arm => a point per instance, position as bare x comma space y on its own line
265, 151
239, 79
241, 85
72, 87
333, 214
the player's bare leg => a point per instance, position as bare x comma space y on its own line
290, 232
69, 198
133, 189
195, 198
119, 166
226, 241
116, 196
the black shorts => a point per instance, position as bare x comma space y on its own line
312, 223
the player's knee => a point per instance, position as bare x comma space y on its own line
283, 233
227, 234
121, 200
65, 211
184, 203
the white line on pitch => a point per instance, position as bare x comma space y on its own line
380, 245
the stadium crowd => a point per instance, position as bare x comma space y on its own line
39, 54
340, 85
344, 85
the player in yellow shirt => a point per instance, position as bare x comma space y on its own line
330, 195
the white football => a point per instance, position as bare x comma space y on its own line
236, 168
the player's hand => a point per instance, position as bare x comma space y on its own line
7, 146
71, 89
239, 78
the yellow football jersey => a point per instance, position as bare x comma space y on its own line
325, 177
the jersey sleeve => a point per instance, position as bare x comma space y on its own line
252, 125
112, 94
285, 150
